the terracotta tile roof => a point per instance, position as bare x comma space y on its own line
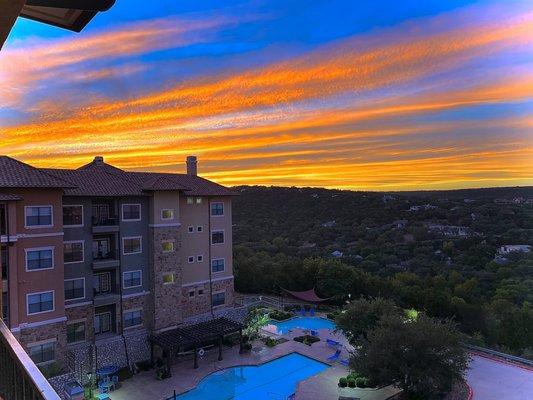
101, 179
14, 173
9, 197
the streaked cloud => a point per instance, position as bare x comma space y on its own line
354, 113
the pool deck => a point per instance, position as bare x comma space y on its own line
319, 387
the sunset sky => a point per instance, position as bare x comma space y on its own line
373, 95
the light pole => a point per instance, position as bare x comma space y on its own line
90, 377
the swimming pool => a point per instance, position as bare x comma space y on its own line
315, 323
276, 379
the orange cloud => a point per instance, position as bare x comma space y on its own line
284, 123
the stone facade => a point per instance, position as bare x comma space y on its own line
144, 303
195, 299
165, 296
55, 332
82, 313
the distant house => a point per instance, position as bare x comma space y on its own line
423, 207
468, 200
329, 224
337, 254
314, 195
387, 197
400, 223
514, 248
450, 230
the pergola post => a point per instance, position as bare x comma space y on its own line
152, 352
195, 357
169, 360
220, 349
241, 349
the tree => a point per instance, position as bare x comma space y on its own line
362, 316
422, 356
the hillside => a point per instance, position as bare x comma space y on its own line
429, 250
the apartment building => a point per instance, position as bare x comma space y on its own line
89, 254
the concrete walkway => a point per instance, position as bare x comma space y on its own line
491, 379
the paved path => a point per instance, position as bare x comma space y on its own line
491, 379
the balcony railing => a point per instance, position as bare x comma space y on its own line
99, 221
100, 256
20, 379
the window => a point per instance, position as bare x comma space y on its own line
72, 216
40, 302
200, 258
76, 332
132, 318
132, 245
131, 212
217, 265
43, 353
199, 228
198, 200
102, 323
217, 237
190, 259
191, 293
73, 252
39, 259
219, 299
168, 278
200, 292
190, 229
168, 247
74, 289
217, 209
132, 279
167, 214
190, 200
38, 216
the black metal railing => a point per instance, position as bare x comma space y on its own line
20, 379
112, 289
100, 221
103, 256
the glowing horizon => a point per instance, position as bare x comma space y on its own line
435, 101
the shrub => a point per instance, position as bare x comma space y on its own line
124, 373
279, 315
352, 382
247, 346
307, 339
353, 375
271, 342
343, 382
361, 382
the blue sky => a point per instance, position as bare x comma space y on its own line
352, 94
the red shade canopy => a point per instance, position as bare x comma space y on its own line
309, 296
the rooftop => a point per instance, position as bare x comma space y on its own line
99, 178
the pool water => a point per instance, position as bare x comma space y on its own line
314, 323
274, 380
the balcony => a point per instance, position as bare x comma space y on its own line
24, 380
103, 298
105, 225
109, 259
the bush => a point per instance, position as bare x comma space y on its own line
124, 373
307, 339
279, 315
353, 375
361, 382
352, 382
343, 382
247, 346
271, 342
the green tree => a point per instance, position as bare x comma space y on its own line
424, 357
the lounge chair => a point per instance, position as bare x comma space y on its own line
335, 357
314, 333
332, 343
345, 362
302, 311
312, 312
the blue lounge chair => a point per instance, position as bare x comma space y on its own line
312, 312
345, 362
332, 343
335, 357
302, 311
314, 333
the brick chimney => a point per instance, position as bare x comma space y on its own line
192, 165
98, 160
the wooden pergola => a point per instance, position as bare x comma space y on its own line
196, 336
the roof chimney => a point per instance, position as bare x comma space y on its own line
192, 165
98, 160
